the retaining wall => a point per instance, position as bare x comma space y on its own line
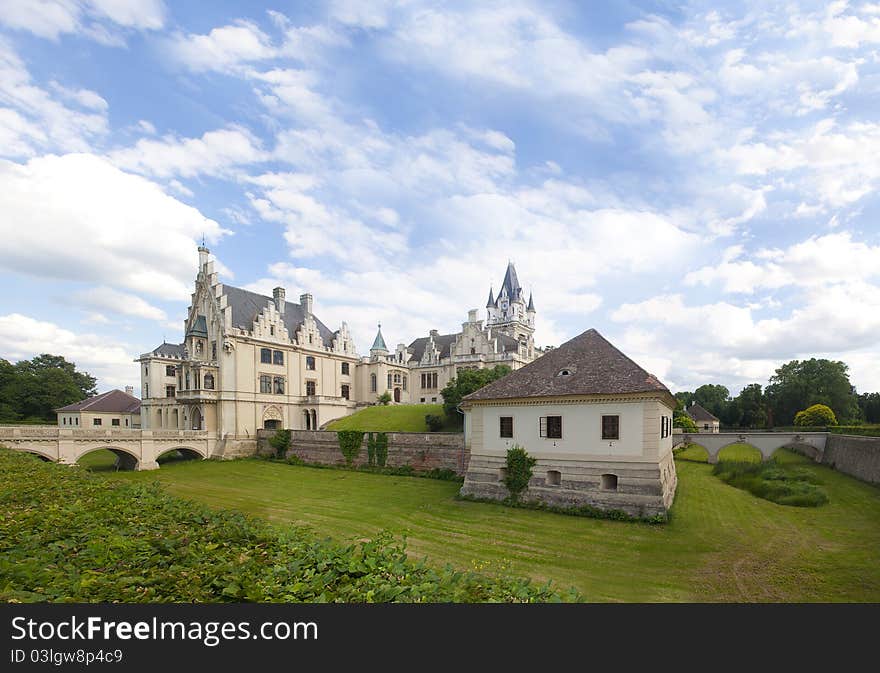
422, 451
853, 455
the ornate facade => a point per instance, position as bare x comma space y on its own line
249, 362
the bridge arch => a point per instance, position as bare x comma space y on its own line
43, 455
187, 452
126, 459
692, 451
803, 448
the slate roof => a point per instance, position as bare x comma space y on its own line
531, 306
699, 413
113, 402
246, 305
199, 327
511, 282
379, 342
595, 367
169, 350
445, 341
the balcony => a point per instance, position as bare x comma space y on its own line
197, 395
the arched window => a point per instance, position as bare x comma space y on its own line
209, 381
609, 482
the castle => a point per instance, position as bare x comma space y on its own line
249, 361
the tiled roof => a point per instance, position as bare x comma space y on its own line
169, 350
699, 413
444, 343
246, 305
114, 402
586, 365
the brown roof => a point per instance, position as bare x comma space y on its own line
585, 365
699, 413
113, 402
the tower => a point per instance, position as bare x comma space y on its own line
509, 313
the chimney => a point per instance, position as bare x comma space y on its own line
278, 295
129, 390
434, 333
472, 315
306, 301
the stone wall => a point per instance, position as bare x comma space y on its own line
422, 451
856, 456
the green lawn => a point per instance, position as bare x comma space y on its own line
722, 544
389, 418
736, 452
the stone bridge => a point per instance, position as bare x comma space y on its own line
135, 449
811, 444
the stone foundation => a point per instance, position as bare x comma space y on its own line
643, 489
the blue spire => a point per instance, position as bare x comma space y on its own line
379, 341
491, 302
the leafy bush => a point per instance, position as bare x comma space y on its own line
280, 441
384, 398
71, 536
381, 449
771, 481
862, 430
434, 422
581, 510
685, 422
818, 414
519, 471
350, 444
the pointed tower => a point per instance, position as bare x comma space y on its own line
530, 311
509, 314
379, 349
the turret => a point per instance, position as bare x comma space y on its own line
379, 347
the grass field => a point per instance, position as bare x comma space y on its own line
721, 544
390, 418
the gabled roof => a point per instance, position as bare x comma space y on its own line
379, 342
699, 413
593, 365
114, 402
247, 305
444, 343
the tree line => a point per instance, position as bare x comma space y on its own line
794, 387
31, 390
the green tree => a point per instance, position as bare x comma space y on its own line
384, 398
713, 398
10, 392
800, 384
33, 389
815, 416
468, 381
751, 405
869, 405
280, 441
683, 421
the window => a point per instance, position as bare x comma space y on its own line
372, 383
266, 356
554, 478
705, 426
505, 426
169, 391
64, 420
345, 391
146, 390
209, 381
271, 330
279, 385
610, 427
422, 399
397, 378
126, 422
146, 370
473, 351
169, 370
345, 369
278, 357
96, 421
550, 427
310, 362
114, 422
404, 383
502, 473
265, 384
429, 380
609, 482
77, 420
389, 381
433, 399
310, 388
213, 350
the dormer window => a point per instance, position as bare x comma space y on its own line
567, 371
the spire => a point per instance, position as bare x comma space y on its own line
531, 306
491, 302
511, 282
379, 341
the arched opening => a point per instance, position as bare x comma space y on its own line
554, 478
609, 482
695, 453
314, 420
107, 459
740, 453
177, 455
158, 419
45, 459
175, 418
196, 419
308, 419
804, 450
271, 424
397, 395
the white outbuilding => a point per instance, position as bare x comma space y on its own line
598, 424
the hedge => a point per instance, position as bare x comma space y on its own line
67, 535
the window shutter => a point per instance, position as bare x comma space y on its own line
542, 426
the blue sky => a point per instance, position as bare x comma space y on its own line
696, 180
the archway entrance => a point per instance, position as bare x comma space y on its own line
272, 424
196, 419
397, 394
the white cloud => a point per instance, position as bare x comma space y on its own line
109, 301
214, 153
23, 337
52, 18
78, 217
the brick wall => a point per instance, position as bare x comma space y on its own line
423, 451
855, 456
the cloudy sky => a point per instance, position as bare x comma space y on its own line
698, 182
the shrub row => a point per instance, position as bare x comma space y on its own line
440, 473
67, 535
